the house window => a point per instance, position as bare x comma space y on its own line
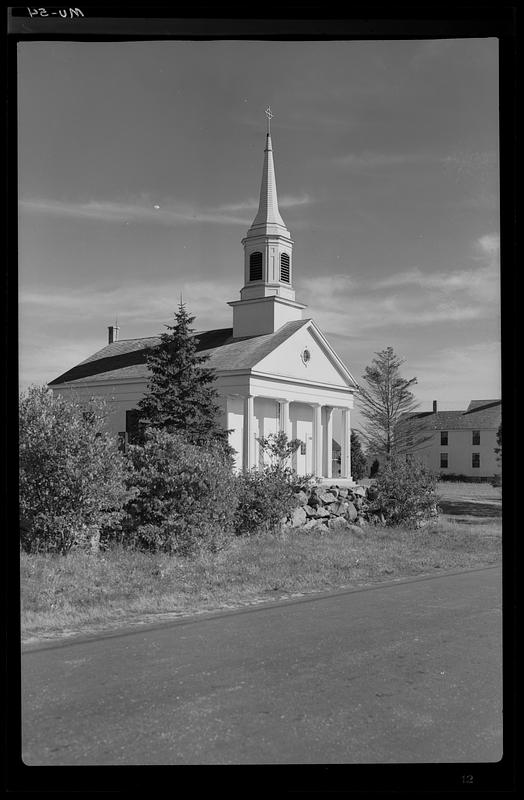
132, 425
284, 268
476, 438
255, 266
443, 460
475, 460
443, 438
302, 448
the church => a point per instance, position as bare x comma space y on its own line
275, 370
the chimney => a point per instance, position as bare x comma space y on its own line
434, 404
113, 333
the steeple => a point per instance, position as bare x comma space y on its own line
268, 262
268, 219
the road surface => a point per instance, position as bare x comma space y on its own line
400, 673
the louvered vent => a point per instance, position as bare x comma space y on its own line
255, 266
284, 268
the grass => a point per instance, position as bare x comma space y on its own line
483, 492
85, 592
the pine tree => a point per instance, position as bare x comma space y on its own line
358, 459
181, 395
388, 406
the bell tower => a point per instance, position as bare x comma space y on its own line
267, 297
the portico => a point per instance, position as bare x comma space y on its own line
311, 422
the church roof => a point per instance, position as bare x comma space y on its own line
126, 359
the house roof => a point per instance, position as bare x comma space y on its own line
127, 358
479, 414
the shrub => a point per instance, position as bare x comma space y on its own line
265, 497
374, 468
72, 475
279, 448
185, 495
406, 493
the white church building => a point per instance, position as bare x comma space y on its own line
275, 370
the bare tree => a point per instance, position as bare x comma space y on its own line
392, 426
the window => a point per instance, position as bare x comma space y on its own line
255, 266
443, 460
284, 268
475, 438
132, 425
302, 448
443, 438
475, 460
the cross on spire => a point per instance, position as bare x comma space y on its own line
269, 116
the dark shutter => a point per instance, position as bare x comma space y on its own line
255, 266
284, 268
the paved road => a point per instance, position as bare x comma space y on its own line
404, 672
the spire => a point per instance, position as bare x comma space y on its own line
268, 219
267, 299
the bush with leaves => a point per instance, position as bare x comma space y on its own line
279, 448
265, 497
185, 495
72, 475
406, 493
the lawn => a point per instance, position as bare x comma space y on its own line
470, 502
85, 593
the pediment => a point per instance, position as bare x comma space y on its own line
307, 356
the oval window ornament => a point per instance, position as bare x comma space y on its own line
305, 356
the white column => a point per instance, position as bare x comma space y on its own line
328, 441
317, 440
345, 466
249, 408
284, 417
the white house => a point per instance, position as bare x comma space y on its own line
275, 370
460, 442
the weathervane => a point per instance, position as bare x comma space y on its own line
269, 115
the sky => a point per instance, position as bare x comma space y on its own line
139, 174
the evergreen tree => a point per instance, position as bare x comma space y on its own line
181, 395
387, 404
358, 459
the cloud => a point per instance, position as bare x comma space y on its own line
490, 244
284, 201
369, 160
132, 212
145, 210
345, 306
469, 373
137, 303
